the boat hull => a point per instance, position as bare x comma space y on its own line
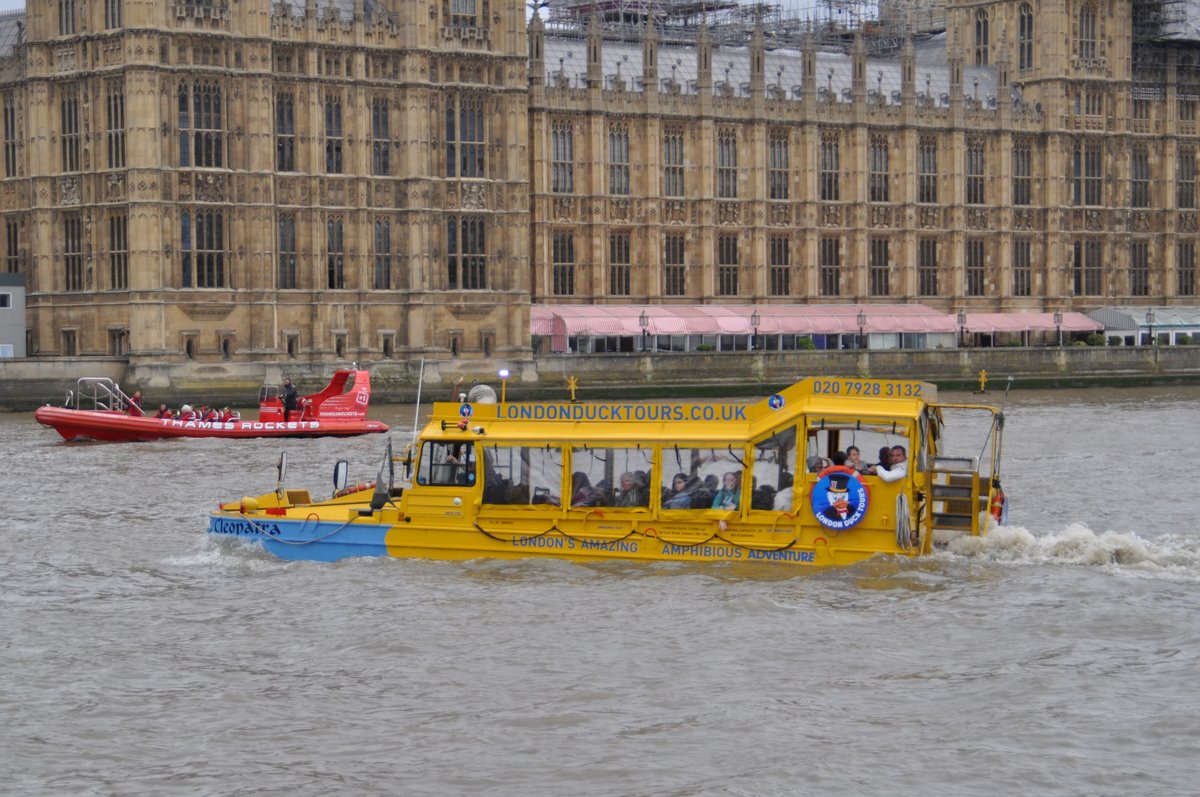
118, 427
354, 531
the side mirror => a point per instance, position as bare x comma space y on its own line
341, 470
282, 472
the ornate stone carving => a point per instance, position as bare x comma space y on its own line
64, 58
68, 191
831, 215
210, 188
1022, 219
881, 216
729, 213
1187, 222
1140, 221
474, 196
928, 218
781, 214
675, 211
115, 190
564, 208
1092, 221
977, 219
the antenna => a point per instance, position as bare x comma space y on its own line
417, 410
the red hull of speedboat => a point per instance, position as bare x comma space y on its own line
120, 427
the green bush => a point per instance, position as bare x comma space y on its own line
1095, 339
1080, 344
705, 347
1183, 339
806, 343
1114, 341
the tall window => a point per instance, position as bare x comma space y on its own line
12, 246
467, 253
333, 135
927, 170
335, 253
777, 165
673, 161
1088, 173
562, 157
201, 126
830, 258
727, 265
112, 14
877, 266
1139, 268
286, 238
1022, 173
1022, 251
285, 132
975, 171
1025, 37
829, 183
927, 267
618, 264
1139, 182
464, 136
727, 163
118, 252
114, 135
1185, 268
66, 17
383, 254
878, 184
673, 265
1185, 178
72, 252
779, 252
10, 135
202, 249
975, 267
1085, 267
981, 38
69, 126
1187, 109
462, 13
563, 263
618, 159
1087, 32
381, 152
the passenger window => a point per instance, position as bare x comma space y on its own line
522, 475
774, 472
696, 478
447, 464
610, 476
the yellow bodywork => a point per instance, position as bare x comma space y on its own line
457, 520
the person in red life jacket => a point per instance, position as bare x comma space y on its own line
186, 413
164, 412
135, 404
207, 413
227, 415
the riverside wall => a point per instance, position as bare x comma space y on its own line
29, 383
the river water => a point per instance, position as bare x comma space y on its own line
1059, 656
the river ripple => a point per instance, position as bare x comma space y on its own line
1058, 656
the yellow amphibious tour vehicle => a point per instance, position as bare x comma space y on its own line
829, 471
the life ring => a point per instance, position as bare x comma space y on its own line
355, 488
999, 507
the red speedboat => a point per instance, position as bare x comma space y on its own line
338, 410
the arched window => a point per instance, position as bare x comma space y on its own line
1087, 32
981, 37
1025, 37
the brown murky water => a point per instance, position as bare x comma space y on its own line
1059, 656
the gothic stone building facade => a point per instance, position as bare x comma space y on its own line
373, 179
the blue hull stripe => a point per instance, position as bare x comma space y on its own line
305, 540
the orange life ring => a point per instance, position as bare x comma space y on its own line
355, 488
999, 499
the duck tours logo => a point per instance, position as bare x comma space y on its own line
839, 499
